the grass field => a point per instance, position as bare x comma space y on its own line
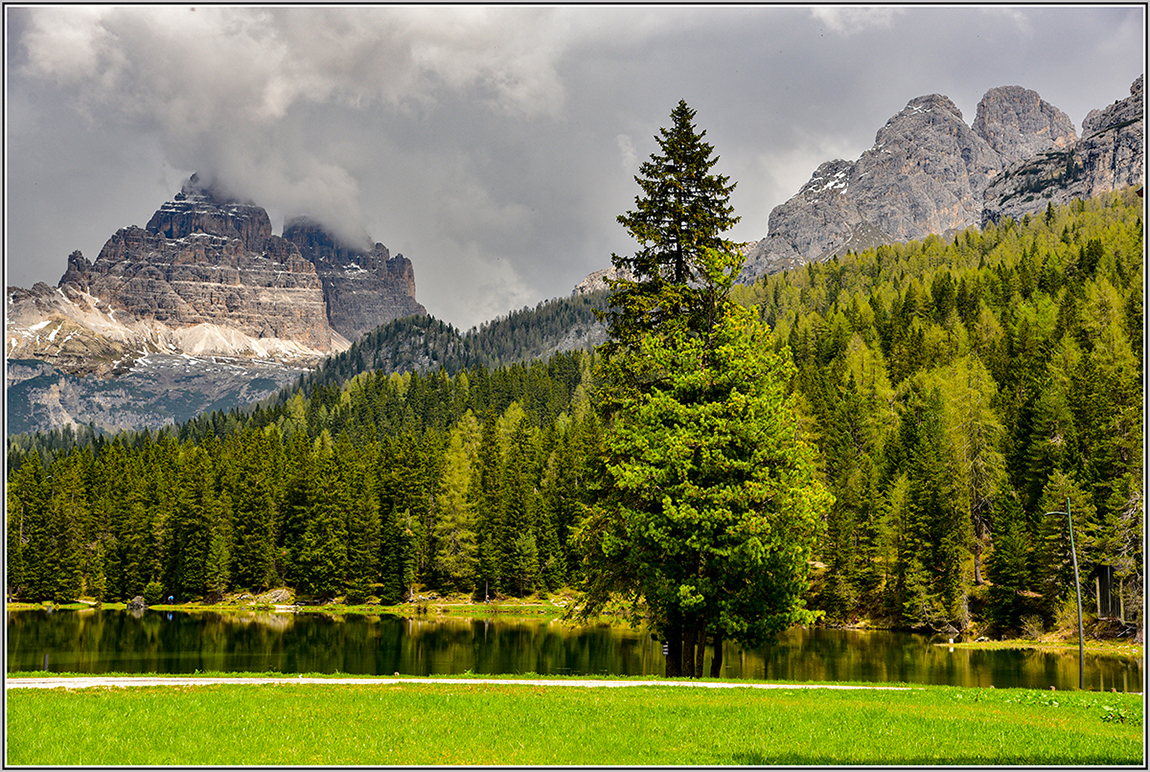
517, 724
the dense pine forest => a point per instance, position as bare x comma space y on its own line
957, 390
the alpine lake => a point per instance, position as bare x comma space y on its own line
170, 642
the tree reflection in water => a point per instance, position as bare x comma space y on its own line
183, 642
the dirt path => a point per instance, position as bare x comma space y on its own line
87, 682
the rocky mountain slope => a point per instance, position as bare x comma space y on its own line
205, 277
163, 389
928, 172
1110, 156
160, 390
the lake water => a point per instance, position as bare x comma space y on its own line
92, 641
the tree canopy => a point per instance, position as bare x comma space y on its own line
710, 507
683, 211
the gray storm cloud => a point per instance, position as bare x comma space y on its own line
224, 87
494, 146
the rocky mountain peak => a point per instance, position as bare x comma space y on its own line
321, 247
200, 208
362, 288
1123, 111
930, 103
1109, 156
598, 281
1017, 123
79, 271
207, 276
928, 172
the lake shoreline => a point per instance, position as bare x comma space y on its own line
550, 611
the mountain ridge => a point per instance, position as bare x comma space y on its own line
207, 276
929, 172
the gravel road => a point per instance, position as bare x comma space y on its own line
87, 682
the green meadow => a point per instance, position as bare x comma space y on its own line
521, 724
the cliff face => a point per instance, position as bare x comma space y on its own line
207, 277
362, 290
1110, 156
928, 172
1017, 124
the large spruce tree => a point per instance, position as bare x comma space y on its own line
709, 508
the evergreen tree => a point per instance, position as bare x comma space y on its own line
253, 503
29, 492
322, 561
1051, 562
515, 537
62, 580
294, 505
363, 524
489, 502
1011, 595
711, 506
191, 525
682, 212
935, 533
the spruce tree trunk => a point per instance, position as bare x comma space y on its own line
687, 666
700, 650
674, 650
717, 659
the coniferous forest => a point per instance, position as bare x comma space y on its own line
960, 392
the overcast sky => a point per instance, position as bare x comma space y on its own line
494, 146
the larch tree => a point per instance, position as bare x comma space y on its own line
457, 554
710, 507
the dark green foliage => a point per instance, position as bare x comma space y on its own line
153, 593
682, 212
1030, 332
253, 488
1011, 593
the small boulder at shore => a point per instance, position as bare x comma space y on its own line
277, 597
137, 603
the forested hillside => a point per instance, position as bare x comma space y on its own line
425, 344
961, 389
957, 389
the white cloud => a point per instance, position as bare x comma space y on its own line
852, 20
627, 155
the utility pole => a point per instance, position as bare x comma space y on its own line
1077, 592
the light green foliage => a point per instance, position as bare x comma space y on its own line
712, 507
1031, 331
457, 555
